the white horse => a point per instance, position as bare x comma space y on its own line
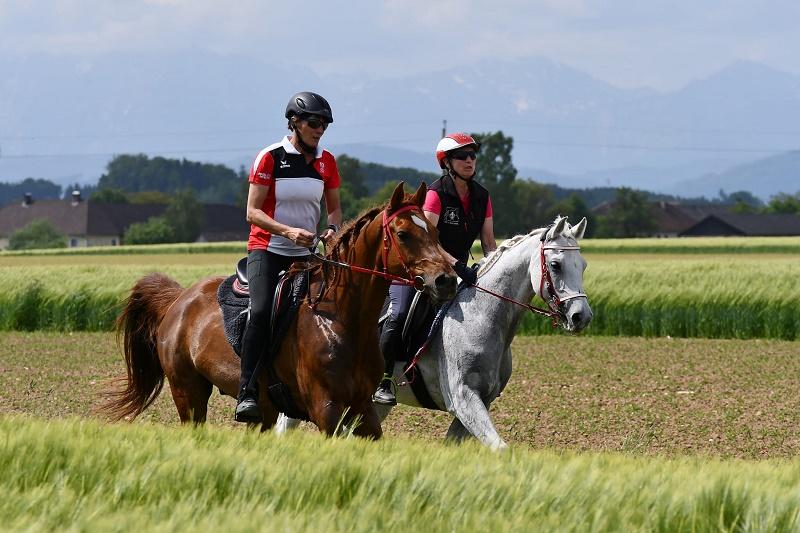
468, 360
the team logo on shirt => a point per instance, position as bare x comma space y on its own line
321, 167
450, 215
284, 164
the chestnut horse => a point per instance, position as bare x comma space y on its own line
329, 359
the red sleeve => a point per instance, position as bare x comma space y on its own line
489, 210
432, 203
329, 171
261, 171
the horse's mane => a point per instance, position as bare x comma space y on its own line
489, 261
348, 234
344, 241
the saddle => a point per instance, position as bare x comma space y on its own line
423, 321
233, 297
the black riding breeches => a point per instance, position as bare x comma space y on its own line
263, 270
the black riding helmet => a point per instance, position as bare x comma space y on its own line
308, 103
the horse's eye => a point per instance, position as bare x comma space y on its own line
402, 235
555, 265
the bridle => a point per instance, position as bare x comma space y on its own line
389, 240
554, 301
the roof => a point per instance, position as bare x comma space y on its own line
746, 224
670, 217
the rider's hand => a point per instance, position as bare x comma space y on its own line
465, 273
300, 237
327, 235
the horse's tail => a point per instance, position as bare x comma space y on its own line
137, 326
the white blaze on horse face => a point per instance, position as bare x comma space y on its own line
419, 222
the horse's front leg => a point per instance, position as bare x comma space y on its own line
470, 410
370, 423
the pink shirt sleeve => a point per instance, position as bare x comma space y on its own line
489, 210
432, 203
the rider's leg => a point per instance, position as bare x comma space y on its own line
263, 269
391, 341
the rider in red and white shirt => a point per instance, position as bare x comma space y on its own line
287, 182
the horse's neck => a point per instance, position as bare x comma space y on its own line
510, 275
360, 294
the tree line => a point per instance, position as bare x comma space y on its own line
519, 204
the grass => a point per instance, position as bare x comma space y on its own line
744, 294
664, 397
83, 475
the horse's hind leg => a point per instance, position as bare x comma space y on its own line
191, 398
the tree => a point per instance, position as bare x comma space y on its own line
531, 203
109, 196
496, 172
629, 216
784, 203
575, 208
185, 214
38, 234
351, 173
156, 230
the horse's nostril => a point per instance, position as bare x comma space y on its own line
576, 318
443, 281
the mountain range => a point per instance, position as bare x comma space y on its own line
62, 118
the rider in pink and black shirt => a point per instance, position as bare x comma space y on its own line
461, 210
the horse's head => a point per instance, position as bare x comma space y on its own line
415, 249
557, 273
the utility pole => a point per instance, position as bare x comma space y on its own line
444, 127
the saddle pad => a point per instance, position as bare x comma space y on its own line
234, 313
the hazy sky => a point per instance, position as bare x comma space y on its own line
657, 43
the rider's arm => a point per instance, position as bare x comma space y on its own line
487, 230
256, 196
487, 237
333, 206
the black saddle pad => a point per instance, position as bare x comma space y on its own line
290, 291
234, 313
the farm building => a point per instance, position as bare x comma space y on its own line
87, 223
752, 225
670, 218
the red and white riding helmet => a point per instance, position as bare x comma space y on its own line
454, 141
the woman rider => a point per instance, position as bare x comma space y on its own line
461, 210
287, 182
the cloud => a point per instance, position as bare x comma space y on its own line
660, 42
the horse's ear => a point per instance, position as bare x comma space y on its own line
577, 230
397, 198
419, 196
556, 230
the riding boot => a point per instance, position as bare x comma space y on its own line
391, 344
247, 401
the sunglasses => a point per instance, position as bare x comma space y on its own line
463, 155
314, 123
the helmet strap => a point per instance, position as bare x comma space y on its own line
304, 146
